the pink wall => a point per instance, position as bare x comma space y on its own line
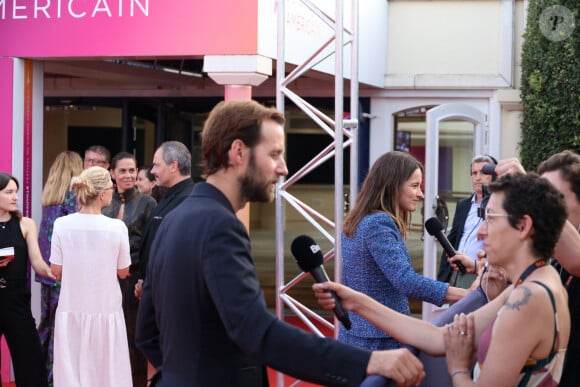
155, 28
6, 75
6, 107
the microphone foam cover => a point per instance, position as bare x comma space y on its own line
306, 253
488, 169
433, 225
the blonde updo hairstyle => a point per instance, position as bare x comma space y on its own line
90, 183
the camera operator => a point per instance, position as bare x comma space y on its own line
466, 221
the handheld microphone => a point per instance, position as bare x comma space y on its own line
434, 228
309, 258
488, 169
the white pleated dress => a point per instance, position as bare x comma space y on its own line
90, 338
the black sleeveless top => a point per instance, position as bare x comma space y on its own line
15, 273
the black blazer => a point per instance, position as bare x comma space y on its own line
461, 212
203, 319
172, 197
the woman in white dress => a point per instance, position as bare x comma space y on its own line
89, 251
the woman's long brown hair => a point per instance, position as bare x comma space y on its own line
381, 189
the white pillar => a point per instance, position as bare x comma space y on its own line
238, 74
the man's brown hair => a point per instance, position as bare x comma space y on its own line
228, 121
568, 164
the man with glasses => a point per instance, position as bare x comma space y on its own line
97, 155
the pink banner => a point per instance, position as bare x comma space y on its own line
6, 106
124, 28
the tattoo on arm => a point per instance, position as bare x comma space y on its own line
523, 301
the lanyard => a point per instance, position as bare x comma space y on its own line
530, 269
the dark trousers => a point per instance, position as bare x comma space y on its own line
18, 327
571, 374
49, 295
130, 305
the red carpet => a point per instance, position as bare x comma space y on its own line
288, 380
271, 377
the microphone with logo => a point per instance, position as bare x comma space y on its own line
434, 228
309, 258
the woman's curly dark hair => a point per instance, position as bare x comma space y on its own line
529, 194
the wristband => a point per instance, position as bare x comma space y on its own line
460, 372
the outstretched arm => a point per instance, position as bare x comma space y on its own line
420, 334
423, 335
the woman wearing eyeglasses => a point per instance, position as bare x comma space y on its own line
88, 252
520, 337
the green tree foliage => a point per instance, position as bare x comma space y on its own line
550, 87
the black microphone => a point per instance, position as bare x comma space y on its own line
309, 258
434, 228
488, 169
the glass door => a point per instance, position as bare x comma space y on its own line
455, 133
444, 138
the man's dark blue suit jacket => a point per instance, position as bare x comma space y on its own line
203, 319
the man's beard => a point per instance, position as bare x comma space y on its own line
251, 188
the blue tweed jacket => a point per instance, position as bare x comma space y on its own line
376, 262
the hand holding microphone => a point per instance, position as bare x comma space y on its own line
435, 228
309, 258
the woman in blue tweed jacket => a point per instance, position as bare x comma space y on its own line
375, 258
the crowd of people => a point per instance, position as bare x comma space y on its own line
139, 265
83, 255
519, 337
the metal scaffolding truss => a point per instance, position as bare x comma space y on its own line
337, 128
